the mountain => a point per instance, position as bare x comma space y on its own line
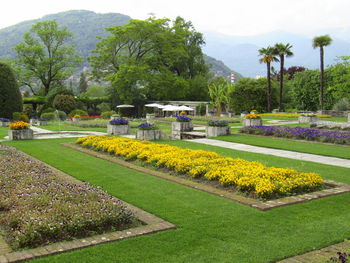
241, 52
85, 26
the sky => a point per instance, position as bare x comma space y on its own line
230, 17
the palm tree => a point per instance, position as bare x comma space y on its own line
321, 41
267, 56
220, 91
282, 50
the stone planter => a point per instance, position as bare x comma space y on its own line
178, 127
224, 114
4, 123
307, 119
252, 122
212, 131
148, 135
118, 129
36, 122
231, 114
25, 134
150, 118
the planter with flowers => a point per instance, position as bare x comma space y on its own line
182, 124
252, 119
4, 122
148, 132
76, 118
38, 122
20, 131
307, 118
217, 128
118, 126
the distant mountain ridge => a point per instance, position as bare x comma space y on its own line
241, 52
85, 26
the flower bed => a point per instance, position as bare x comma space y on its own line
300, 133
250, 177
290, 115
38, 207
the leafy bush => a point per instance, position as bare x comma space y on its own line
64, 102
49, 116
48, 110
104, 106
10, 96
342, 105
62, 115
107, 114
77, 112
20, 116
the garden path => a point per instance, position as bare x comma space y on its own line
280, 153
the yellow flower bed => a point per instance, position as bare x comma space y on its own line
290, 115
248, 176
252, 116
20, 125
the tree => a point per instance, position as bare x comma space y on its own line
282, 50
321, 42
64, 102
45, 56
267, 57
10, 96
83, 84
152, 59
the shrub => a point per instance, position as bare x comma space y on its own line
64, 102
10, 96
48, 110
77, 112
342, 105
20, 116
107, 114
104, 106
49, 116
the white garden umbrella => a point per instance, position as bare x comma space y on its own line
153, 105
125, 106
185, 108
171, 108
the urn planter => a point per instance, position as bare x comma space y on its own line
118, 129
4, 123
148, 135
307, 119
25, 134
179, 127
252, 122
214, 131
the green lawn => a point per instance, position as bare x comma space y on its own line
3, 132
297, 146
209, 228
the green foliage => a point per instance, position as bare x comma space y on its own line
342, 105
201, 109
45, 56
152, 60
62, 115
16, 116
83, 84
220, 92
10, 96
94, 92
249, 94
48, 110
77, 112
48, 116
64, 102
107, 114
104, 106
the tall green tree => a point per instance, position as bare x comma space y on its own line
220, 92
151, 59
83, 83
321, 42
10, 96
282, 50
45, 55
267, 56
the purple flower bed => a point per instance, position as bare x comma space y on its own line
38, 207
183, 118
146, 126
119, 121
300, 133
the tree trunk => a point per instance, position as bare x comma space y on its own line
268, 87
280, 106
321, 77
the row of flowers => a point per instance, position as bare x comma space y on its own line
38, 207
246, 176
300, 133
293, 115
